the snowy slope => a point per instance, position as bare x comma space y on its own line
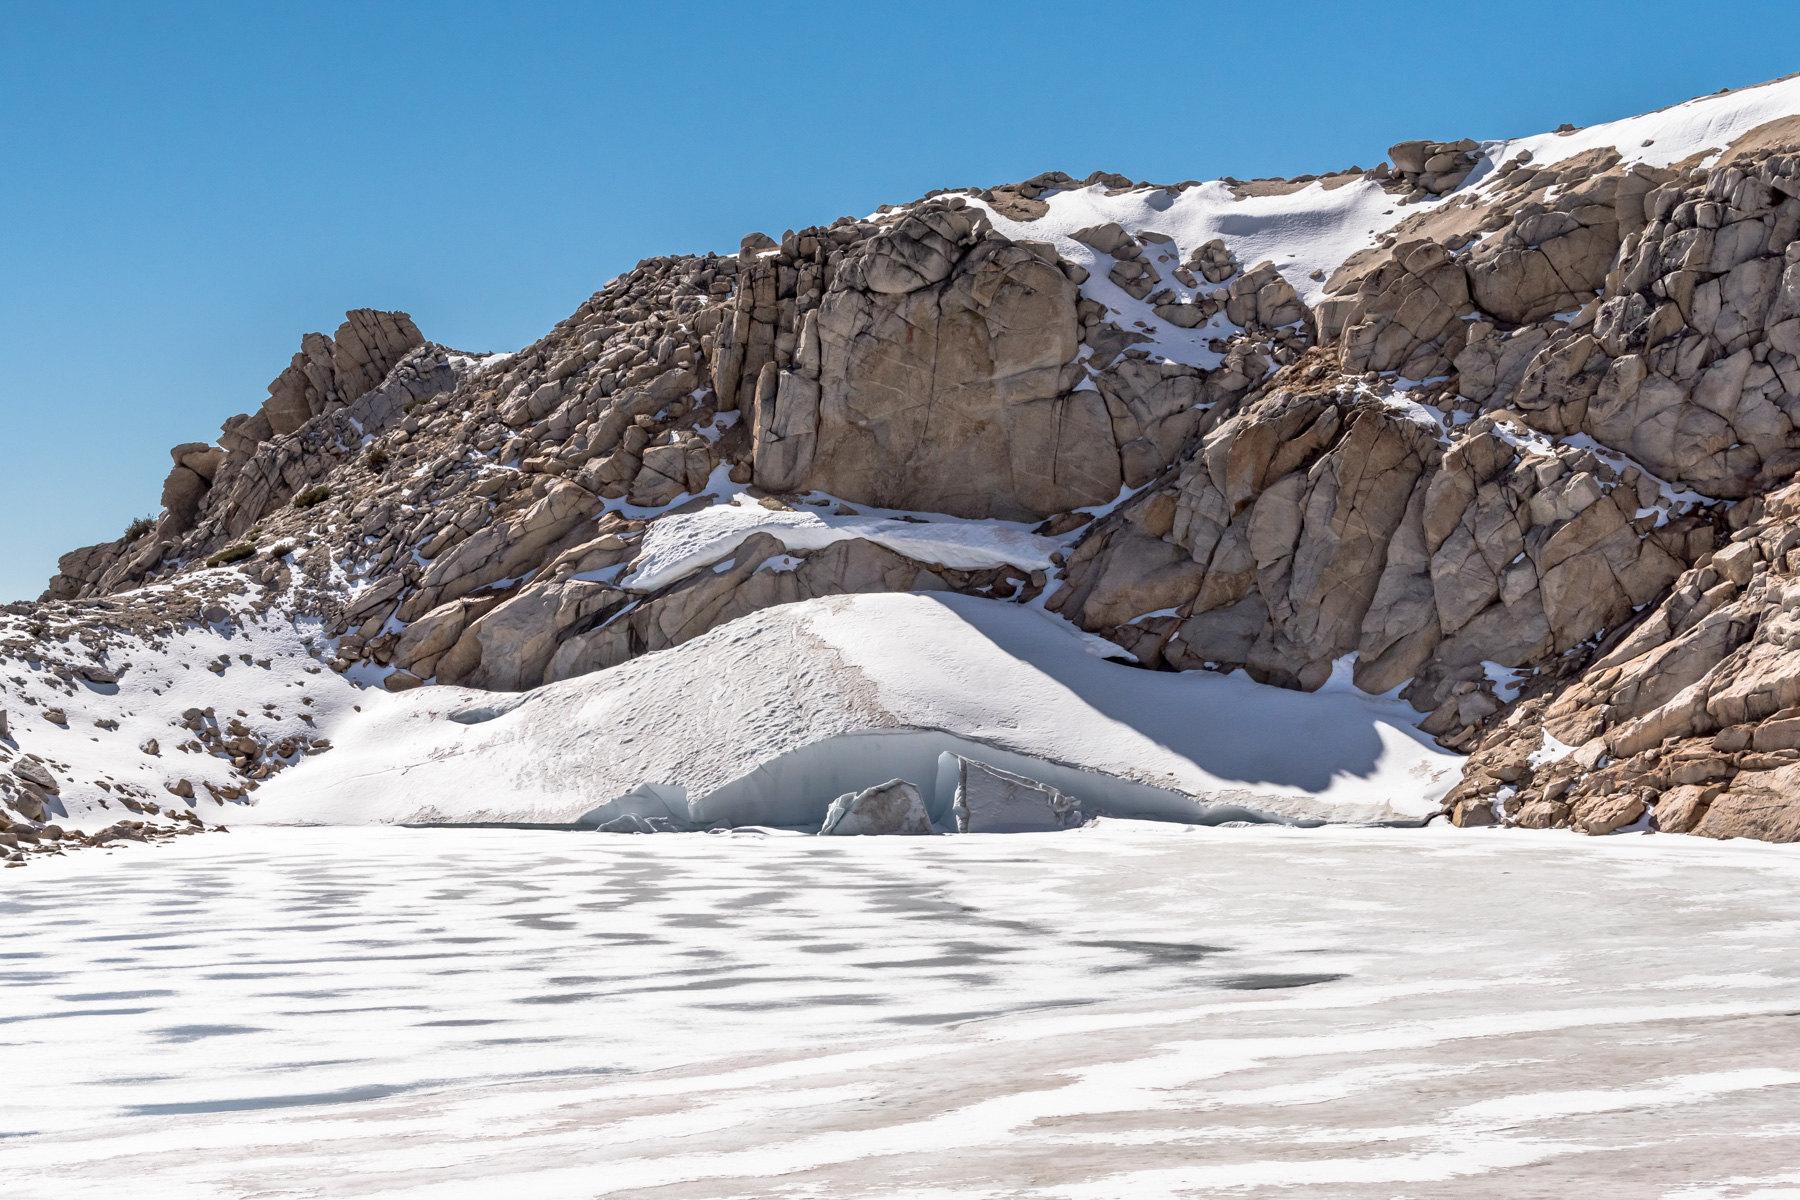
1313, 229
766, 719
1668, 135
260, 668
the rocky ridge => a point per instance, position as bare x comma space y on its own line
1521, 455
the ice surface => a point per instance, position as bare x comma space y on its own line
1126, 1010
768, 719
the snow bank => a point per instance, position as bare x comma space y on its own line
676, 545
769, 718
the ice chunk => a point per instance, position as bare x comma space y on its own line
634, 823
989, 800
646, 808
892, 807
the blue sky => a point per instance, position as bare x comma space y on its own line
185, 189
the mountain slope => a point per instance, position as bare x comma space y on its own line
1503, 428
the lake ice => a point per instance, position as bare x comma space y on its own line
1126, 1010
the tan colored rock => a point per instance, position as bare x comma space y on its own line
1542, 814
1736, 562
1680, 809
1761, 804
200, 458
1550, 263
181, 496
1777, 734
1598, 815
401, 681
949, 394
518, 639
504, 551
426, 639
1473, 812
1138, 574
36, 774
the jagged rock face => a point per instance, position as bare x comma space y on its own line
1683, 356
936, 372
1315, 524
1693, 706
1406, 316
336, 371
215, 493
946, 386
1432, 168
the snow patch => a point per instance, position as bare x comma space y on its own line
677, 545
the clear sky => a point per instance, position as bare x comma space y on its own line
187, 188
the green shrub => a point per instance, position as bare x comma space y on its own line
139, 528
376, 459
231, 554
312, 495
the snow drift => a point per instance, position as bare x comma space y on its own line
768, 719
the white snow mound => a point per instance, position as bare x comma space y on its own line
767, 719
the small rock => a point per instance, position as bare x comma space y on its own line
1606, 814
36, 774
892, 807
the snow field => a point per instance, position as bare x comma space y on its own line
1128, 1010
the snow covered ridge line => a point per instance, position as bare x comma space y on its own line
1459, 427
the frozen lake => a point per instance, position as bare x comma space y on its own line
1130, 1010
